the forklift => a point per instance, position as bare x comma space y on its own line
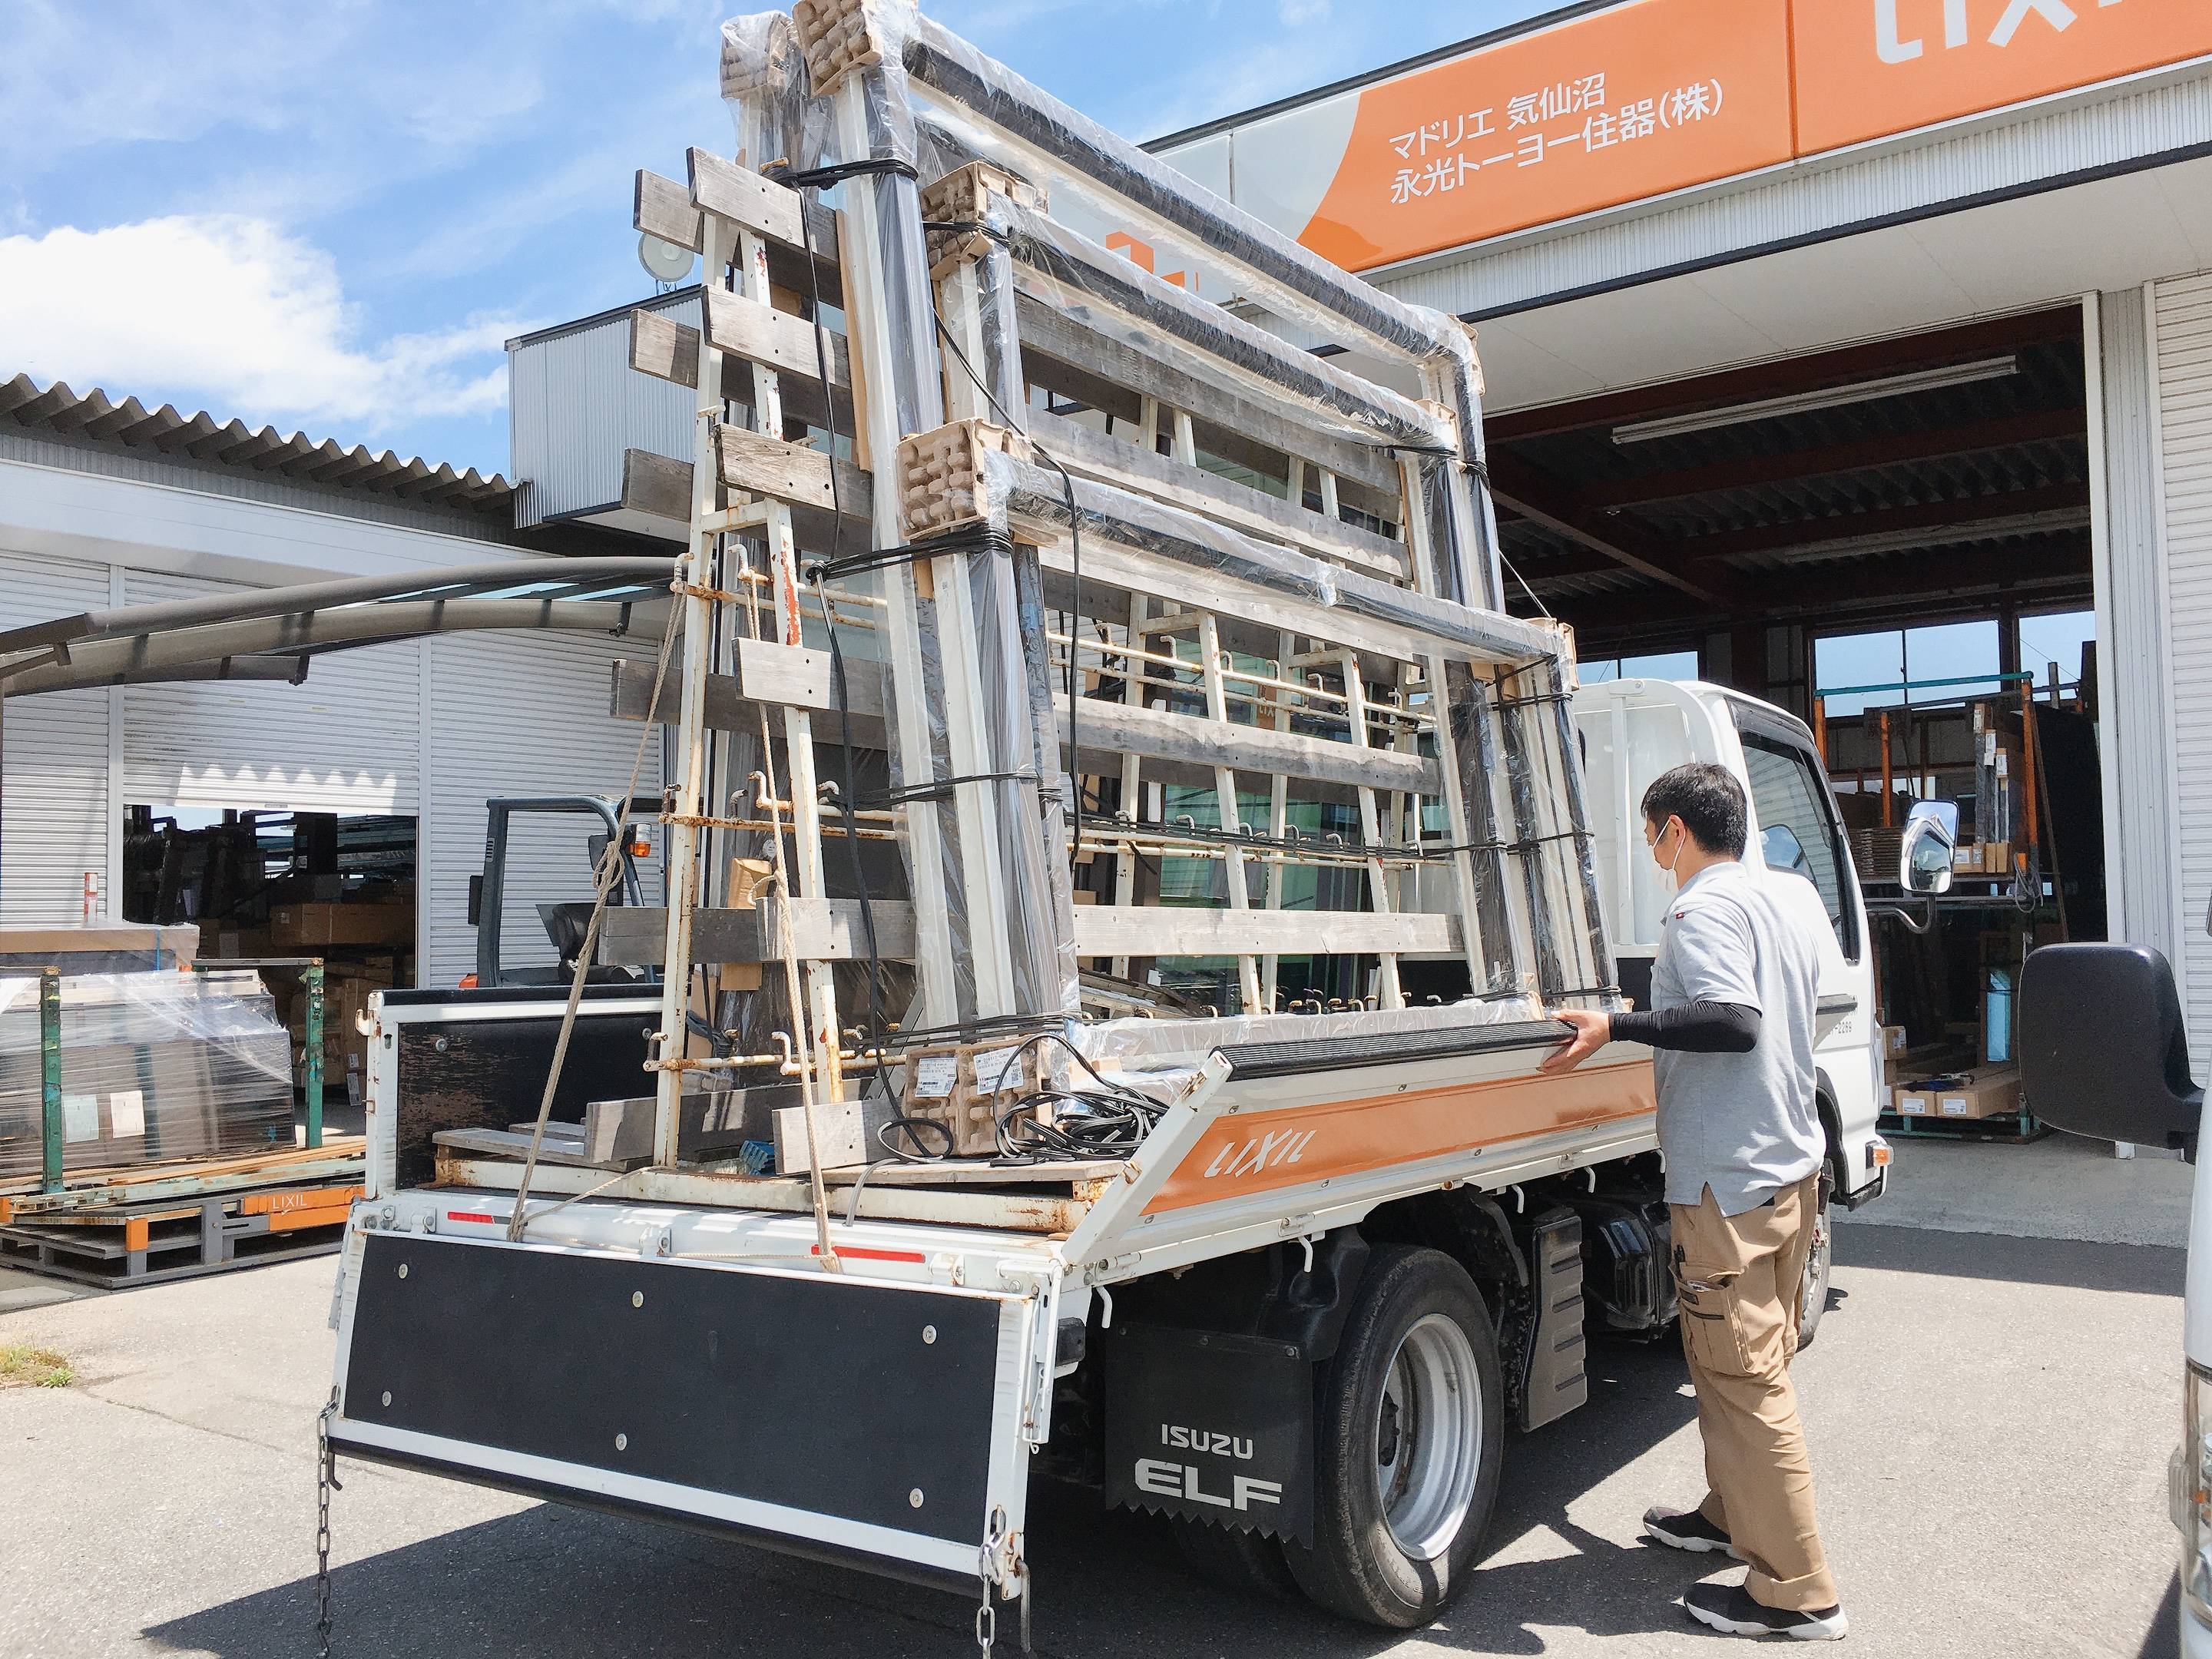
566, 921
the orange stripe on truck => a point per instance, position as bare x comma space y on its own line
1260, 1152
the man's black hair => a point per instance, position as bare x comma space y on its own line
1708, 800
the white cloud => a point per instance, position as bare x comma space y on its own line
1296, 12
231, 312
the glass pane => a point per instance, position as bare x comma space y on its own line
1664, 666
1783, 800
2060, 637
1844, 660
1952, 650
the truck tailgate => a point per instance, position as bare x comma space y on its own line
831, 1416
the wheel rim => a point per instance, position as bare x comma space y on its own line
1814, 1294
1428, 1437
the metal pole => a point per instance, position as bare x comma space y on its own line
314, 1066
50, 1069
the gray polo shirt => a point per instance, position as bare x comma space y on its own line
1743, 1124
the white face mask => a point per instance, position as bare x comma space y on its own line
1667, 870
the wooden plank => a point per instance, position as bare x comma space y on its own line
1048, 329
661, 207
729, 710
1093, 454
746, 199
668, 350
1157, 734
823, 929
663, 348
774, 339
761, 465
1175, 931
656, 485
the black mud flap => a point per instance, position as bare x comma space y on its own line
1210, 1426
864, 1422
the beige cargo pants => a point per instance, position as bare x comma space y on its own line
1739, 1278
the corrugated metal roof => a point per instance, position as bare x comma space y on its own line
93, 414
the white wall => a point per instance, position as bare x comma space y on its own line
2182, 314
510, 714
54, 806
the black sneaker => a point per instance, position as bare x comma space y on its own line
1685, 1529
1730, 1608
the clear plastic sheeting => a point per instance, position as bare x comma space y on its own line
1414, 621
998, 115
1164, 1049
1118, 298
155, 1066
765, 83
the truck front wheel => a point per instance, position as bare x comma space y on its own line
1408, 1435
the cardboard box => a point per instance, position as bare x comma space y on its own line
305, 924
1996, 858
1893, 1039
1987, 1091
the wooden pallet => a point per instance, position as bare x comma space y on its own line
2011, 1128
143, 1244
339, 1157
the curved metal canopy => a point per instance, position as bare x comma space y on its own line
274, 632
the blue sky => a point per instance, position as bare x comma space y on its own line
330, 216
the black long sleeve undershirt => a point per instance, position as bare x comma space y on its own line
1697, 1028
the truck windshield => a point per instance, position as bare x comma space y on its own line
1789, 797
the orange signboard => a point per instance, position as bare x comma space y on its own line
1651, 96
1869, 68
1647, 97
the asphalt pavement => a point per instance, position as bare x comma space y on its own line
1990, 1416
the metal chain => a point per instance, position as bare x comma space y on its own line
986, 1569
326, 1482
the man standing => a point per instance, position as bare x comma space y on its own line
1733, 993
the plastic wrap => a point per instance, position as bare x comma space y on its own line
1156, 1054
1013, 661
765, 83
1115, 297
1129, 519
1005, 119
155, 1066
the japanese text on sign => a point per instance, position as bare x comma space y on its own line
1447, 153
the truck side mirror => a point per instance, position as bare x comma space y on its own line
2102, 1050
1924, 858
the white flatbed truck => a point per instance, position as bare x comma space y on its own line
1300, 1319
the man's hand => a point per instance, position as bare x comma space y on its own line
1593, 1030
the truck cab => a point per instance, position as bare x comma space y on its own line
1631, 731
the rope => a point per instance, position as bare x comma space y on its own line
610, 864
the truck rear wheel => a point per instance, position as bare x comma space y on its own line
1813, 1294
1408, 1433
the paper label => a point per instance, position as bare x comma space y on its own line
1913, 1106
1955, 1105
126, 1113
80, 1117
1002, 1071
933, 1076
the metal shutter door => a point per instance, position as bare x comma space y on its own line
2183, 312
511, 714
54, 808
346, 740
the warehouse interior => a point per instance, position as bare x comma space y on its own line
1891, 539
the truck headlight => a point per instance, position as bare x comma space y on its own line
2193, 1494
